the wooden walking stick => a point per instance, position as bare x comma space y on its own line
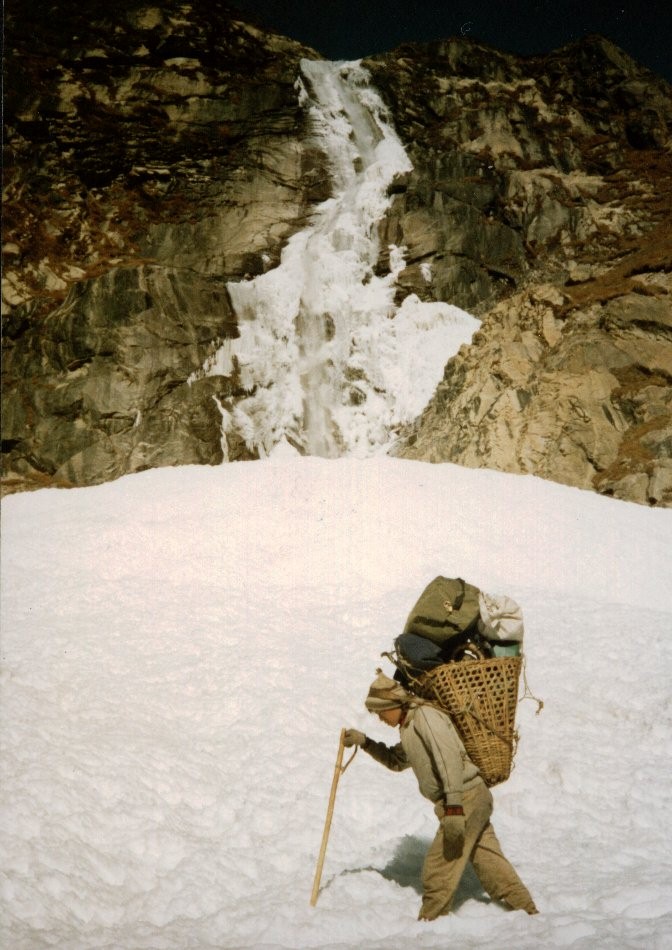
338, 771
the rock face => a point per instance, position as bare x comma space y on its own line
155, 153
541, 199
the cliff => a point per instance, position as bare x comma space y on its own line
542, 199
155, 153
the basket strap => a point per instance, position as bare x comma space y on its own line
465, 710
469, 712
528, 694
397, 659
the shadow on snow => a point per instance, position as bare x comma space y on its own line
405, 869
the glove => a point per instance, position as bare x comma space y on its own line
453, 836
353, 737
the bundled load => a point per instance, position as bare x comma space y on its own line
462, 649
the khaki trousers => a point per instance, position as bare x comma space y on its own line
441, 876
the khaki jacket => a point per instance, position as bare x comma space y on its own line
430, 746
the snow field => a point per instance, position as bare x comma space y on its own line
180, 649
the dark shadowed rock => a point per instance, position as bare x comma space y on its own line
153, 153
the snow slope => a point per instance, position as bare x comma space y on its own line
180, 649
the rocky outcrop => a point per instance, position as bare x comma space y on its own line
156, 152
541, 199
580, 396
153, 153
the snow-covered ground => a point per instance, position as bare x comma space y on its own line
180, 649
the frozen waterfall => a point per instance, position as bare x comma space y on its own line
332, 366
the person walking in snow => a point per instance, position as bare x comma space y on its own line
431, 746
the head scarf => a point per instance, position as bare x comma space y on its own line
385, 693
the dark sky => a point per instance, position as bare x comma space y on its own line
349, 29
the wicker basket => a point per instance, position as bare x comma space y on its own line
481, 698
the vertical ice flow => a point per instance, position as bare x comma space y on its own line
330, 364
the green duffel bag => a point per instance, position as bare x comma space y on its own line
447, 607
